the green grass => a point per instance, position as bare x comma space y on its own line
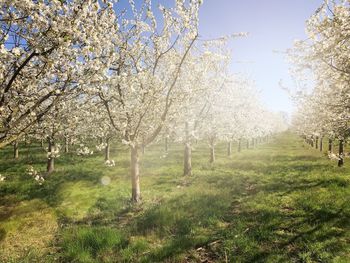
281, 202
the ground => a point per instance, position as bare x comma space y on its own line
281, 202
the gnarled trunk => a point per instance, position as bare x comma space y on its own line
341, 153
229, 148
15, 149
51, 159
135, 174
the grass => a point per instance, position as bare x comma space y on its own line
281, 202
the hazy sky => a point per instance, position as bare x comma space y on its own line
273, 25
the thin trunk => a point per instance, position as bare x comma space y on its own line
229, 148
312, 142
135, 175
330, 145
341, 153
166, 145
316, 142
321, 144
239, 145
188, 160
66, 144
15, 149
188, 152
42, 143
107, 150
51, 159
247, 143
212, 153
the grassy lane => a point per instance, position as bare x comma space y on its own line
281, 202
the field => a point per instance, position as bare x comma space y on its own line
280, 202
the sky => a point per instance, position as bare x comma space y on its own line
272, 25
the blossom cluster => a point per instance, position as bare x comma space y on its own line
35, 174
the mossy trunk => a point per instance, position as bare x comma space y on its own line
135, 174
341, 153
15, 150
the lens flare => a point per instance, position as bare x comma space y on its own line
105, 180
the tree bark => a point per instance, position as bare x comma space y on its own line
107, 150
321, 144
42, 143
239, 145
166, 146
316, 142
15, 149
188, 152
341, 153
212, 153
135, 175
330, 145
229, 148
188, 160
66, 144
51, 160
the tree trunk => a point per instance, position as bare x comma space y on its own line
341, 153
15, 149
107, 150
66, 144
135, 175
212, 153
42, 143
229, 148
321, 144
51, 160
330, 145
312, 142
188, 152
166, 145
239, 145
316, 142
247, 143
188, 160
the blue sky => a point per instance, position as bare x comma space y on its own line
273, 25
